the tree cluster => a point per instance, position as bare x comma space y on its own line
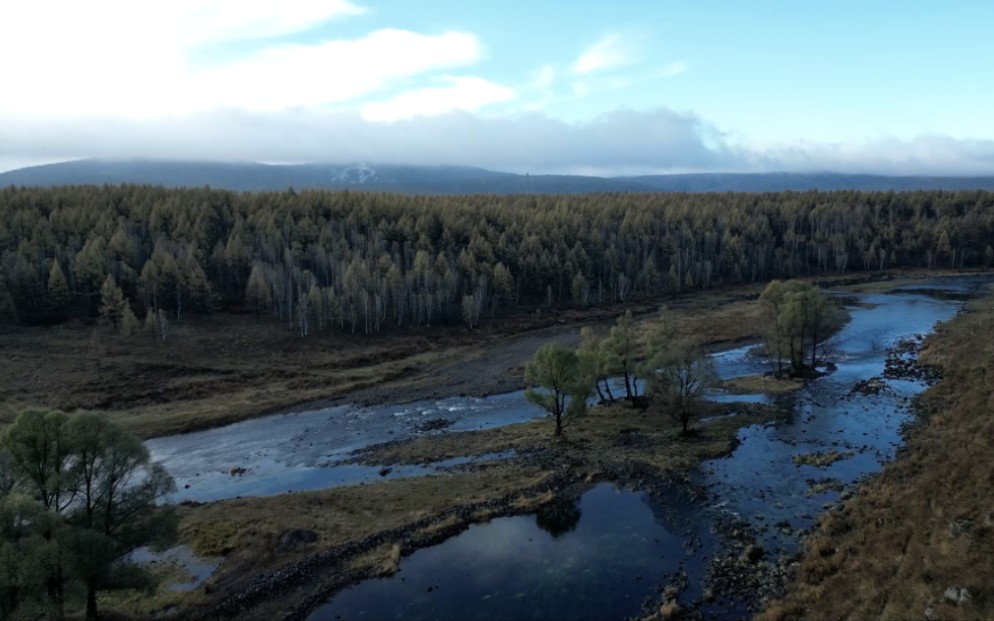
798, 318
363, 262
77, 495
673, 371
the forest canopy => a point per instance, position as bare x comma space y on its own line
364, 262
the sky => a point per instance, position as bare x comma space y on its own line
635, 87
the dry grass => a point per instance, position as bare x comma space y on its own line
342, 514
224, 368
141, 604
821, 459
766, 384
213, 371
604, 437
926, 523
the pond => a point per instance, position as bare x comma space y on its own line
591, 558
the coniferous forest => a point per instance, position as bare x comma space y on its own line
362, 262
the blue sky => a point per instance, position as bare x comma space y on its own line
590, 87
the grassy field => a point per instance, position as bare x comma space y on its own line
917, 541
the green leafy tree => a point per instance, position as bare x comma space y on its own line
77, 495
594, 363
775, 329
21, 554
115, 512
797, 318
40, 456
822, 317
681, 374
558, 384
621, 348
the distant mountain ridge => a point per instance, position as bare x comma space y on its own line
449, 179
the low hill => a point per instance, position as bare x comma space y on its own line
242, 176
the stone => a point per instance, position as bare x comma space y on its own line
957, 595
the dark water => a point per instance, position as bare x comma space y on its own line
595, 558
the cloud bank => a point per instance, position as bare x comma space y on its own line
619, 143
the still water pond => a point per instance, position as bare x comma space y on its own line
594, 558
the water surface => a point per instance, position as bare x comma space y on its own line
594, 558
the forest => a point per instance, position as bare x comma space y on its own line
367, 262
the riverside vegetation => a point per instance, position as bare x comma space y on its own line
916, 541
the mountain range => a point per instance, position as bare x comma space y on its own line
243, 176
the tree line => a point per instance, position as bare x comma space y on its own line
365, 262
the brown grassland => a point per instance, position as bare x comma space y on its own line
922, 530
223, 368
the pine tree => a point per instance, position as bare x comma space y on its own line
58, 288
112, 303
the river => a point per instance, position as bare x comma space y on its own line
604, 554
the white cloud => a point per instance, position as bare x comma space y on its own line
922, 155
608, 53
622, 142
221, 20
310, 75
462, 93
140, 60
672, 69
617, 142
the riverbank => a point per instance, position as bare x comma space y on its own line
916, 540
221, 369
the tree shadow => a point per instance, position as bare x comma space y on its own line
559, 517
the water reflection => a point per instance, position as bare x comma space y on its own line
559, 517
600, 567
